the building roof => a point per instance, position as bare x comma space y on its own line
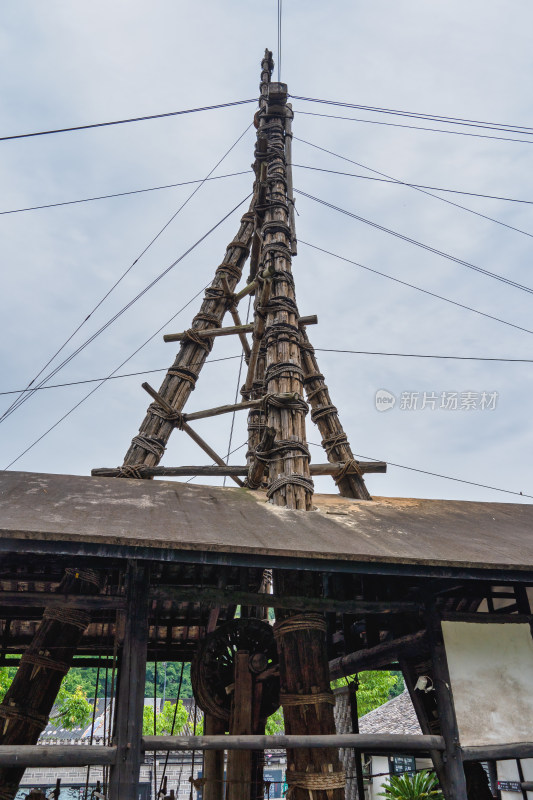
172, 520
395, 716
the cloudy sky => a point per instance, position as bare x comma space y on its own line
80, 63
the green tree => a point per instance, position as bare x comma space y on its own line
164, 719
275, 724
375, 688
420, 786
73, 710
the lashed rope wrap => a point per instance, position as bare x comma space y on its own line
29, 716
38, 660
68, 616
149, 443
306, 699
314, 781
185, 374
290, 480
349, 466
299, 622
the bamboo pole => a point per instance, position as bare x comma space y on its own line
28, 701
325, 414
367, 743
230, 331
148, 446
229, 470
289, 478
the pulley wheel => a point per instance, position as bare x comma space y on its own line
213, 667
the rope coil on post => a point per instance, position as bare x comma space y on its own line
306, 699
331, 442
299, 622
205, 342
314, 781
233, 270
176, 417
136, 471
30, 716
291, 480
282, 369
149, 443
350, 466
68, 616
322, 411
38, 660
185, 374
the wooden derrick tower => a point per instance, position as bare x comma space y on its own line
133, 570
282, 370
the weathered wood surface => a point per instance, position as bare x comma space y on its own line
54, 755
28, 701
53, 600
171, 515
213, 761
366, 743
232, 330
219, 471
498, 752
124, 777
296, 603
378, 656
148, 447
239, 768
452, 776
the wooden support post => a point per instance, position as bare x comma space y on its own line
239, 768
325, 414
213, 761
212, 333
148, 446
352, 689
207, 449
257, 466
307, 706
28, 701
8, 599
452, 779
124, 777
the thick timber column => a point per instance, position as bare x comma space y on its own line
124, 778
452, 776
213, 760
289, 480
306, 696
148, 446
28, 701
308, 707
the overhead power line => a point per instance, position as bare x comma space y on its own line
417, 127
425, 355
417, 288
104, 380
318, 350
420, 189
395, 181
128, 305
438, 475
125, 121
427, 247
472, 123
124, 194
56, 369
115, 377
